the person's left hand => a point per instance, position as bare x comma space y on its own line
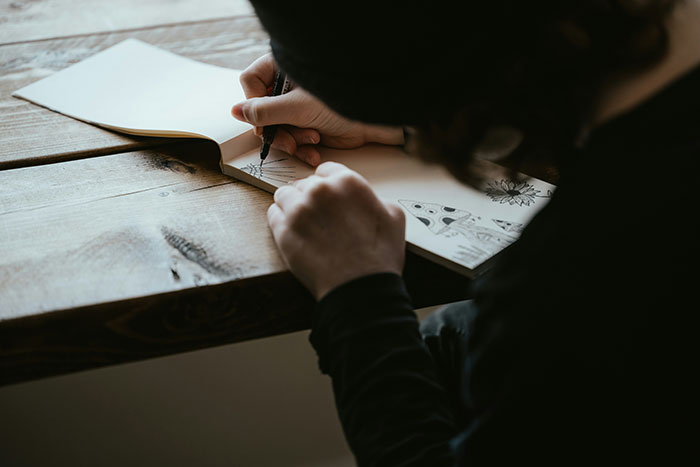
331, 228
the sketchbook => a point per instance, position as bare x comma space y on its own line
139, 89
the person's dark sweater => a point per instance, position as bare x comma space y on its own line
583, 347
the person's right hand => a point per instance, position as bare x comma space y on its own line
304, 120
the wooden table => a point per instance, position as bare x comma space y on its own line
116, 248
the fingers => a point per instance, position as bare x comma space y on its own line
271, 110
304, 135
328, 169
309, 154
348, 181
300, 135
258, 76
284, 194
306, 141
299, 142
288, 198
275, 216
305, 183
284, 141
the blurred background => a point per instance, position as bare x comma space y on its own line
257, 403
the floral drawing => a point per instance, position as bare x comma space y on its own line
512, 192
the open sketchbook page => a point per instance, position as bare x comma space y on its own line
456, 225
136, 88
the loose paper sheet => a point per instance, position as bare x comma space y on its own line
136, 88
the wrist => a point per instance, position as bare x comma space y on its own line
350, 281
384, 134
322, 289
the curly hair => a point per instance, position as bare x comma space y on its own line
540, 72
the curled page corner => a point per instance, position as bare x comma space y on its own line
239, 144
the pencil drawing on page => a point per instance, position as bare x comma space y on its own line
509, 226
513, 192
279, 170
482, 241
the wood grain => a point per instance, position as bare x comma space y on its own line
128, 256
110, 253
136, 329
145, 327
128, 225
31, 20
33, 135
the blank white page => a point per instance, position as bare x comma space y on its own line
137, 88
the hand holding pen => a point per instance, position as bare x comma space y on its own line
301, 120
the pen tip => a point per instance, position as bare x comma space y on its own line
263, 151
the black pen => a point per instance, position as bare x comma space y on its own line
280, 86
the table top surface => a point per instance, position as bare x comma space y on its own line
115, 248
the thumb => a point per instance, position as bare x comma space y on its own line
269, 110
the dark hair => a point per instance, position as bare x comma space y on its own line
455, 69
540, 73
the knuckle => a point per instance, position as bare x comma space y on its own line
244, 79
289, 145
402, 217
397, 213
401, 220
351, 182
330, 165
323, 166
300, 215
280, 192
247, 79
321, 189
254, 112
271, 211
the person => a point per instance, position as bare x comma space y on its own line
577, 346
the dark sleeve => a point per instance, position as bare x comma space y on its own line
391, 407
